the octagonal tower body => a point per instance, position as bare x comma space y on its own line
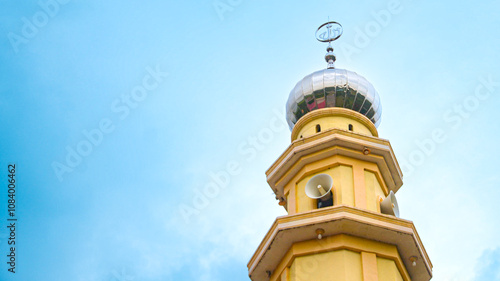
334, 115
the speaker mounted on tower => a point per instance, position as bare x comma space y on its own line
389, 205
320, 187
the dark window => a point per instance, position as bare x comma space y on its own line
326, 201
350, 127
318, 128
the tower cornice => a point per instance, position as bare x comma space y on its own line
337, 220
322, 145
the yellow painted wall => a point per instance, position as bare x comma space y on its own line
345, 192
387, 270
303, 202
340, 265
344, 185
356, 183
373, 191
341, 257
329, 122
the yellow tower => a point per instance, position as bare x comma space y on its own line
337, 181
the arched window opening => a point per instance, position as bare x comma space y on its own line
318, 128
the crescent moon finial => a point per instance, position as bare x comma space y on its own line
328, 32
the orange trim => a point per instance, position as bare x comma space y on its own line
359, 187
369, 264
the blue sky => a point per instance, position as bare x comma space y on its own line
119, 115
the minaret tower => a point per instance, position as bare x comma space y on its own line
337, 181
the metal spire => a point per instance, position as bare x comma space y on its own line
328, 32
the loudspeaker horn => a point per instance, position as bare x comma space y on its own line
389, 205
319, 186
